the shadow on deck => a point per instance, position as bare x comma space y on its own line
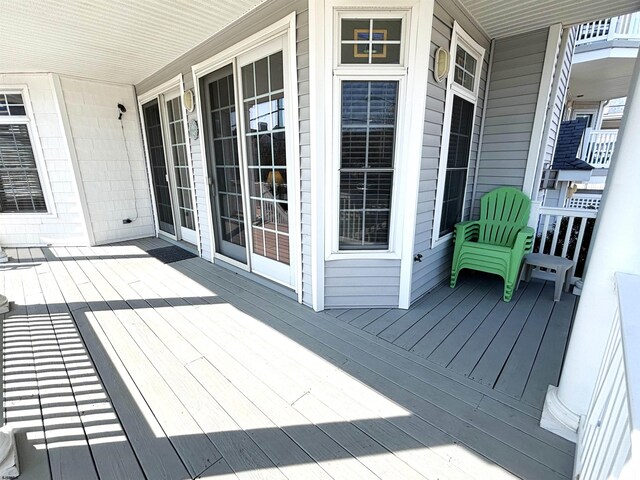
119, 366
516, 348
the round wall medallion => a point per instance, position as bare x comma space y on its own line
187, 100
194, 131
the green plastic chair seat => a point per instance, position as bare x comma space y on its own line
498, 241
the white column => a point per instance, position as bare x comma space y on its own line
614, 248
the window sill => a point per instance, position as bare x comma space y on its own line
363, 255
436, 242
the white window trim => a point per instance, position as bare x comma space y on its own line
371, 72
30, 121
158, 93
462, 38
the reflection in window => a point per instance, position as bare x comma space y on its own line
368, 131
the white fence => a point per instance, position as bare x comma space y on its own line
609, 436
551, 221
598, 147
589, 201
623, 27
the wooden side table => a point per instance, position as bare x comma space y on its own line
562, 266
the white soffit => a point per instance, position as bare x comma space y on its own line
503, 18
116, 40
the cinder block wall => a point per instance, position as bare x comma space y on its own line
110, 158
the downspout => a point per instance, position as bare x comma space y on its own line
482, 121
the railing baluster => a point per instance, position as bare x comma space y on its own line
567, 236
556, 232
576, 252
545, 229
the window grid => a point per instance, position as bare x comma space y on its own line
465, 69
181, 166
12, 105
371, 37
227, 164
266, 158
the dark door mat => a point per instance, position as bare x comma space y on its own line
170, 254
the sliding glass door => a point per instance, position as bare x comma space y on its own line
168, 161
250, 171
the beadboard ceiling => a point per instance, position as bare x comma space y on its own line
117, 40
128, 40
503, 18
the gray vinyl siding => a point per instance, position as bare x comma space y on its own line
258, 19
511, 104
436, 263
362, 283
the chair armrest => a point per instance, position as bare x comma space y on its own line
468, 231
524, 240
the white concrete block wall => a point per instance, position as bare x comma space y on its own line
111, 161
64, 224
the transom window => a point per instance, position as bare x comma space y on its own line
370, 41
465, 71
20, 186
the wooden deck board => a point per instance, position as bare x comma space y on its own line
229, 379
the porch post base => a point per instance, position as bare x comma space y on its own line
557, 418
4, 304
8, 454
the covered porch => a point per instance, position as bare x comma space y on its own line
119, 366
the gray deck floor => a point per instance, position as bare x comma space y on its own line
117, 366
516, 348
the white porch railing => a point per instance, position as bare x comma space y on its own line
564, 232
608, 443
589, 201
598, 147
625, 27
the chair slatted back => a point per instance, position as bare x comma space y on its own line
503, 213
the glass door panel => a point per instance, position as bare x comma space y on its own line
265, 143
183, 188
159, 175
224, 164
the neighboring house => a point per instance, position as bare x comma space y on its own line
305, 145
601, 69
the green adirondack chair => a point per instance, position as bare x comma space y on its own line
497, 242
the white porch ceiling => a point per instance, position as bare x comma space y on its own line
502, 18
128, 40
118, 40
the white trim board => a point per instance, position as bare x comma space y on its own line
544, 93
70, 147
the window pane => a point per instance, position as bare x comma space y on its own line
368, 123
353, 53
356, 29
385, 54
453, 197
392, 28
460, 133
457, 164
20, 188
